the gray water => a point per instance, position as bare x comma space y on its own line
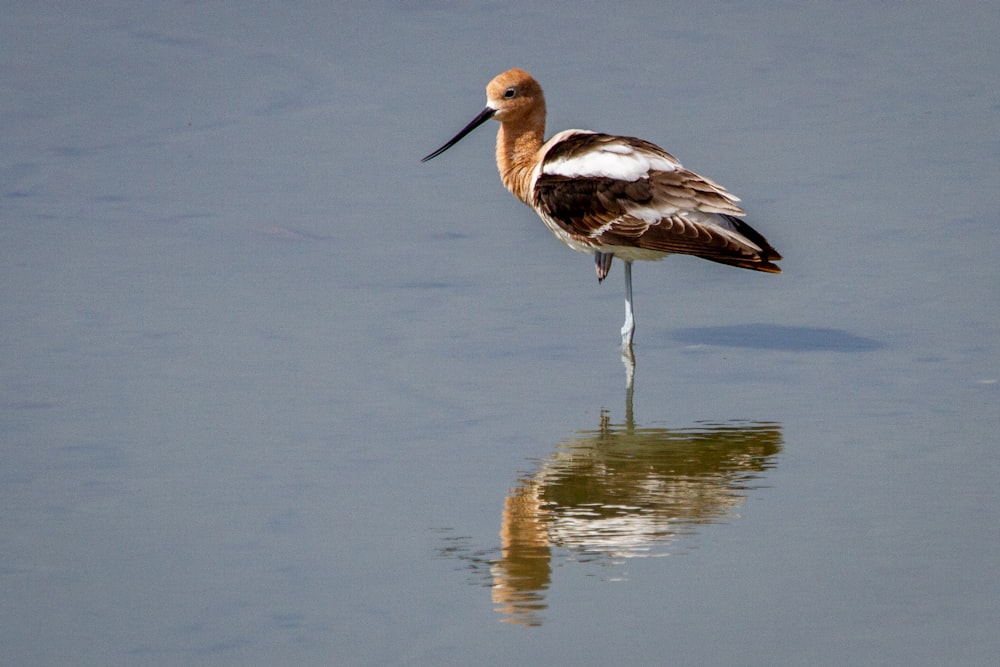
274, 392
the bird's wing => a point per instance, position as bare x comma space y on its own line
621, 191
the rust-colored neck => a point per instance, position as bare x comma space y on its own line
518, 143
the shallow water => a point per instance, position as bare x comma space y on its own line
274, 392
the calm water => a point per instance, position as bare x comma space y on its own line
273, 392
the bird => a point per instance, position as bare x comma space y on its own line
612, 196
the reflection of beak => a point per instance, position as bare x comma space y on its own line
484, 116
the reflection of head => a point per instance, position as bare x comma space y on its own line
523, 571
622, 491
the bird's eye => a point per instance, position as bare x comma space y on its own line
509, 93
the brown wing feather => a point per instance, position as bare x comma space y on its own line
583, 206
697, 215
598, 210
687, 190
679, 234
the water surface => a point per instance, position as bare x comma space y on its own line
274, 392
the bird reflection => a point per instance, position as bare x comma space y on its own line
622, 491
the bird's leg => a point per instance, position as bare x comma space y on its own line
628, 360
602, 262
628, 329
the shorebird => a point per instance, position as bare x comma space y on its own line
612, 196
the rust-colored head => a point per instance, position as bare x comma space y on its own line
515, 95
513, 98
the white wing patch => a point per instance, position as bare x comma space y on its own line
653, 215
618, 160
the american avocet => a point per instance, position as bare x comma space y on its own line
612, 196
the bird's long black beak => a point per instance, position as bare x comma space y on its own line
483, 116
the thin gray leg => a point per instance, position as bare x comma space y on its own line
628, 329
